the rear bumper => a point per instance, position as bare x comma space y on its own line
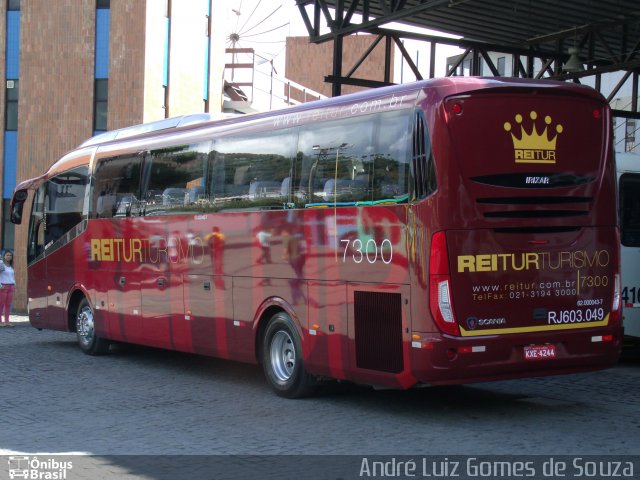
445, 360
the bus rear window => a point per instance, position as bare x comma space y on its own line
630, 209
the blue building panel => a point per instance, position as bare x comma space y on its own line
207, 53
13, 45
10, 161
165, 65
103, 21
207, 68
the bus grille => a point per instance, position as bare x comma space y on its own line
534, 230
533, 200
378, 331
516, 207
536, 214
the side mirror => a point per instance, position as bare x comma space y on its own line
17, 204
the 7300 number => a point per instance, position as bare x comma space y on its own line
368, 251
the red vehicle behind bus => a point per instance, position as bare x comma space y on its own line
446, 231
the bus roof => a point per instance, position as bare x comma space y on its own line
441, 87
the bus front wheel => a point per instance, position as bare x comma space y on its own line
88, 341
282, 359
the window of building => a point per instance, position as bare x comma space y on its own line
8, 227
11, 110
101, 97
466, 67
103, 3
449, 67
501, 66
13, 4
630, 135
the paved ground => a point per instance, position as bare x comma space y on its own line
141, 401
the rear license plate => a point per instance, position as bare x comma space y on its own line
539, 352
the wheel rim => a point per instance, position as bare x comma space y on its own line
283, 356
84, 325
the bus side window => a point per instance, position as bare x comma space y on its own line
64, 202
392, 156
255, 170
356, 161
217, 175
116, 187
630, 209
337, 158
175, 180
423, 167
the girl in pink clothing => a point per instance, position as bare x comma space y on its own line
7, 287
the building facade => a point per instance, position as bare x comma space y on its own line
308, 63
74, 68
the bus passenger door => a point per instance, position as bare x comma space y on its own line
46, 307
59, 278
37, 294
37, 285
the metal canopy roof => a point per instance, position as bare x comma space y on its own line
537, 33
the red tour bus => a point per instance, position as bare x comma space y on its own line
448, 231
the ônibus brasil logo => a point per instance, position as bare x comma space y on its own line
21, 466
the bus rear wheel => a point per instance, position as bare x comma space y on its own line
88, 341
282, 359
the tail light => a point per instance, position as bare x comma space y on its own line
616, 311
615, 317
440, 286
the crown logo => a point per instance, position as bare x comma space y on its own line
534, 147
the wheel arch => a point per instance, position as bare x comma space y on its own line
75, 297
267, 310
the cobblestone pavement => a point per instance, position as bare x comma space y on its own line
142, 401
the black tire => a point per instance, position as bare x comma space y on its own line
88, 341
282, 359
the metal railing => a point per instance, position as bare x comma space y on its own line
281, 92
